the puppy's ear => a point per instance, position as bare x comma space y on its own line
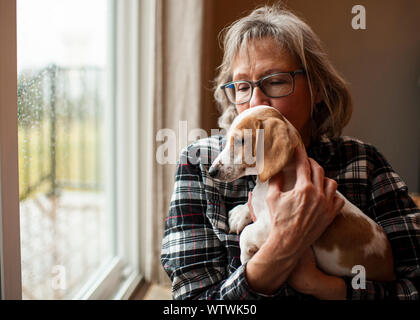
278, 147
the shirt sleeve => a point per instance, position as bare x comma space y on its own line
192, 254
392, 208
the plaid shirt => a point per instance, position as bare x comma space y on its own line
202, 258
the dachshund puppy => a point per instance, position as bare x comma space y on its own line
264, 135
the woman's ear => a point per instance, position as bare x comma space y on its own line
278, 148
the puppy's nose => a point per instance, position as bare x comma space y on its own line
213, 172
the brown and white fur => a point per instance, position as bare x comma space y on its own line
351, 239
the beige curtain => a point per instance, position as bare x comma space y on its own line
177, 97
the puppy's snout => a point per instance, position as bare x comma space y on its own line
213, 172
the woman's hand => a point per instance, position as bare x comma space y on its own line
301, 215
308, 279
298, 218
302, 277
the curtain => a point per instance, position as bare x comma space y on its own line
177, 101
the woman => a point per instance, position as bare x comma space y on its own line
198, 252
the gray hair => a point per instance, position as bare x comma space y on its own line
334, 111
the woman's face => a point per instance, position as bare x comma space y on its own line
264, 57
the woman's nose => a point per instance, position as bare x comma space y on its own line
258, 98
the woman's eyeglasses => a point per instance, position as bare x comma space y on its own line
275, 85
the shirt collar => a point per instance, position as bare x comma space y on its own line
321, 150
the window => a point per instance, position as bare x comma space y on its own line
82, 120
65, 154
77, 146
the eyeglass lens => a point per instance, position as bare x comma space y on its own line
274, 86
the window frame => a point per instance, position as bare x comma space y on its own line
10, 261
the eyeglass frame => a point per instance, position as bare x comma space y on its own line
257, 83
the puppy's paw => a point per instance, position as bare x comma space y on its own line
239, 218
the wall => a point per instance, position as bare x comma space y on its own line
381, 63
